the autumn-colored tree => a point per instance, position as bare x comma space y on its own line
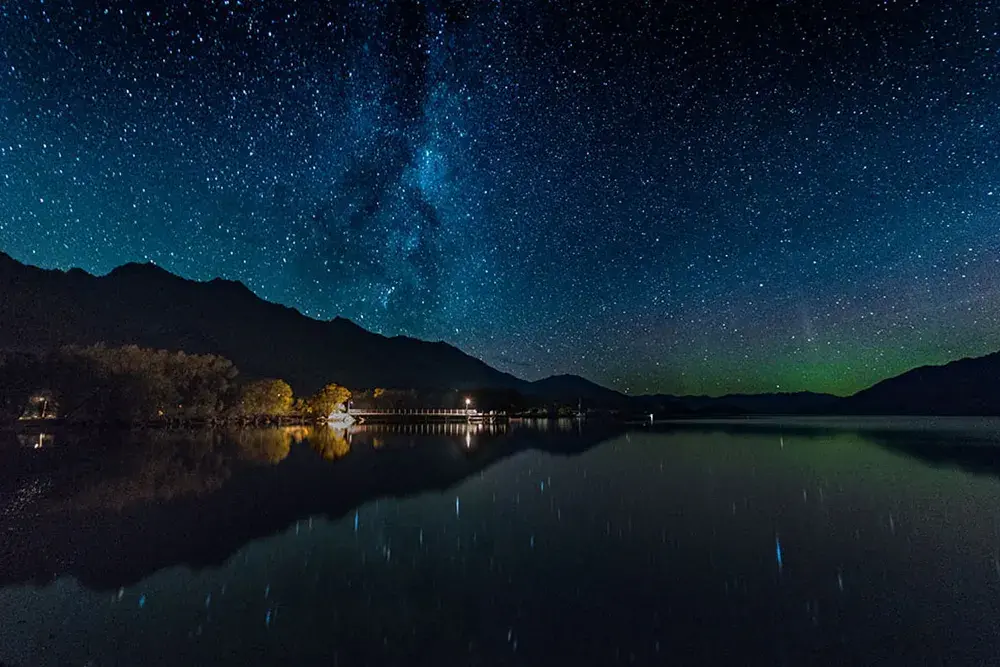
328, 399
264, 398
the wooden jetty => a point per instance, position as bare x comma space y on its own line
424, 415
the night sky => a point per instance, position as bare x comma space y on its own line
686, 197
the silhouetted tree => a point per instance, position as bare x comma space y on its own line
21, 375
387, 399
130, 383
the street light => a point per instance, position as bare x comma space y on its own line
468, 401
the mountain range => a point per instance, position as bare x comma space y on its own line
143, 304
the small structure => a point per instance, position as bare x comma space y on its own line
41, 405
340, 419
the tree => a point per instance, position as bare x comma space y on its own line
203, 381
20, 376
328, 399
265, 398
130, 383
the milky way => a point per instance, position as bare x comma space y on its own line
662, 196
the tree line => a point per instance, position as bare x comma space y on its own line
131, 384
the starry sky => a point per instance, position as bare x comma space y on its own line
662, 196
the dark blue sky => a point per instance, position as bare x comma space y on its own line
662, 196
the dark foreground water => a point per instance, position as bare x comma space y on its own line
799, 543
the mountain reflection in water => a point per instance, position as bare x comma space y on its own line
136, 502
752, 542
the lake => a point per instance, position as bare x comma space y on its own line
770, 542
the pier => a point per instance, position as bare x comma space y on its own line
424, 415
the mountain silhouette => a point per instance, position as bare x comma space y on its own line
145, 305
803, 402
968, 386
572, 388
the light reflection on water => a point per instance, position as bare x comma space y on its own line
712, 543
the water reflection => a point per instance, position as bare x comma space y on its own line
210, 492
330, 443
971, 444
36, 440
271, 445
722, 543
973, 453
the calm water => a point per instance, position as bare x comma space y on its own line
866, 543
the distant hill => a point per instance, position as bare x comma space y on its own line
964, 387
572, 388
146, 305
803, 402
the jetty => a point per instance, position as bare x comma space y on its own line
424, 415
